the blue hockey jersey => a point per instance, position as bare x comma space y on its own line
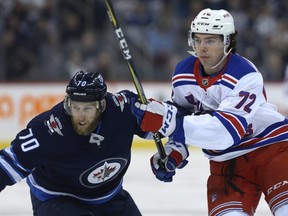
57, 161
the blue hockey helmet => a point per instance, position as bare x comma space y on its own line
86, 87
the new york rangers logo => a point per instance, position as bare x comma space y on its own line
103, 171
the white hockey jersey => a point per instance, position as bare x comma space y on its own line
240, 120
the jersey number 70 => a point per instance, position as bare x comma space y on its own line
30, 143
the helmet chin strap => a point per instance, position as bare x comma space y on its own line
224, 56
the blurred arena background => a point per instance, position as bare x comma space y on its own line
185, 196
47, 40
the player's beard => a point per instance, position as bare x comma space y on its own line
86, 129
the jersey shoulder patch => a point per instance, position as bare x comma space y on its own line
54, 125
51, 120
120, 99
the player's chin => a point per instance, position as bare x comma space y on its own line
205, 62
82, 130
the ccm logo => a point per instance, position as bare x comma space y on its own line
203, 23
276, 186
168, 119
123, 44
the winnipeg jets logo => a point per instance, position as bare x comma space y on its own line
104, 171
96, 138
54, 125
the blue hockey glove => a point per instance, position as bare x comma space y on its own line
155, 116
176, 158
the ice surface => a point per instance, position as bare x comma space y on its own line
186, 195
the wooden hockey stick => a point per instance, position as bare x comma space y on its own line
128, 57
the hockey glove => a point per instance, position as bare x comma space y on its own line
155, 116
176, 158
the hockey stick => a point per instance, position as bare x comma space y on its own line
127, 56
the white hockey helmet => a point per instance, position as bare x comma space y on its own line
209, 21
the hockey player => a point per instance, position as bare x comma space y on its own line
76, 154
244, 137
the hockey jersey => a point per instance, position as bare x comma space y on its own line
240, 119
57, 161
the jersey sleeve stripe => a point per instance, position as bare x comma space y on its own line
10, 171
227, 84
9, 152
43, 194
277, 135
229, 79
266, 138
183, 79
183, 76
233, 124
182, 83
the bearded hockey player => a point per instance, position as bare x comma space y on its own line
76, 154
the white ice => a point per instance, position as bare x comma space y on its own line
186, 195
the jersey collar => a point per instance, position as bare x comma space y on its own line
207, 81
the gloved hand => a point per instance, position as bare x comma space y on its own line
176, 158
155, 116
